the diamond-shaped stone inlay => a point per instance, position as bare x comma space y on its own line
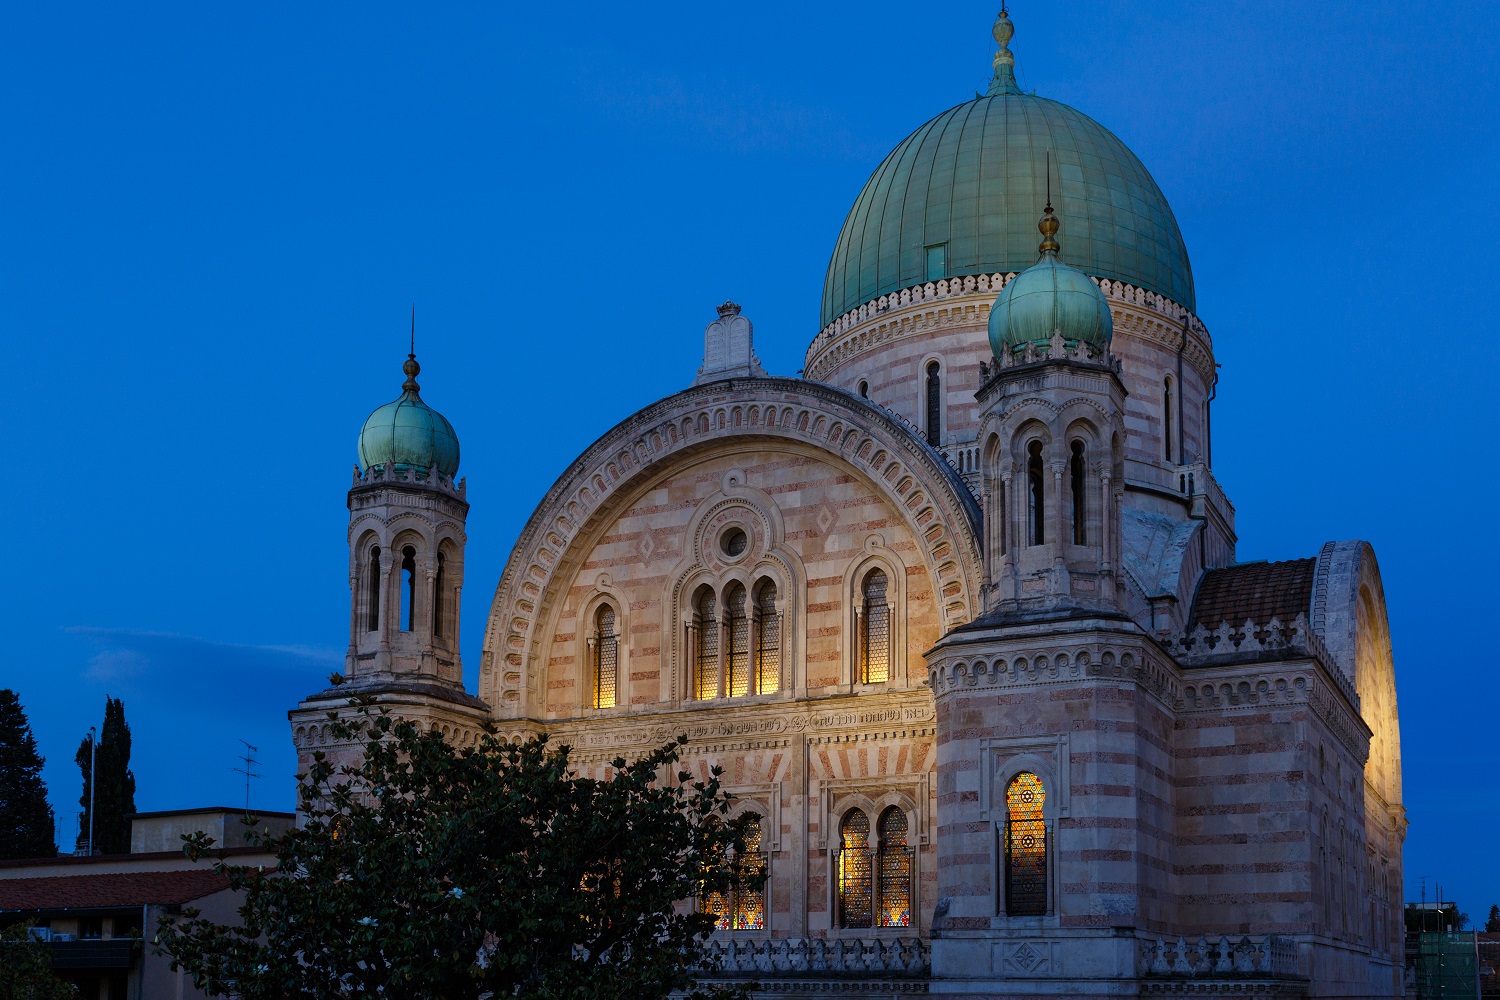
825, 518
1026, 958
648, 546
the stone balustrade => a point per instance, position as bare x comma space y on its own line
377, 475
1227, 643
1219, 958
845, 958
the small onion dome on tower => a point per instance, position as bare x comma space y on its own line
1050, 297
409, 434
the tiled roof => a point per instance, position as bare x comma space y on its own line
1257, 591
108, 890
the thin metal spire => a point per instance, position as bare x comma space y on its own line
413, 331
411, 368
1049, 223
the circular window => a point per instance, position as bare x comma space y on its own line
734, 542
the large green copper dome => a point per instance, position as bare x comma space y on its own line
408, 434
961, 195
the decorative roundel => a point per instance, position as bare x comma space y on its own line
733, 542
1028, 796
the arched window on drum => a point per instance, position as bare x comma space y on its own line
1025, 847
875, 629
606, 658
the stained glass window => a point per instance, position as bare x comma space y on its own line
876, 641
1025, 847
707, 667
768, 646
894, 870
855, 894
606, 658
750, 899
739, 641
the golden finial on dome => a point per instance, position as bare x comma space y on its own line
1049, 223
1004, 81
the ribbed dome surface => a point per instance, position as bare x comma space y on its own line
961, 195
407, 433
1045, 297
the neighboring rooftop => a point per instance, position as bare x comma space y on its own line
107, 890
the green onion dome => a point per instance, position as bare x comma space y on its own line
1050, 297
960, 195
409, 434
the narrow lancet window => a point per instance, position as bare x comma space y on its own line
855, 894
768, 641
408, 619
934, 404
738, 622
1166, 420
707, 653
875, 638
1025, 847
1036, 495
894, 870
372, 595
750, 894
439, 606
1076, 469
606, 658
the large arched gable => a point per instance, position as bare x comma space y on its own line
937, 507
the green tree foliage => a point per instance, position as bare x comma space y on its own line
114, 800
26, 968
436, 872
1492, 922
26, 826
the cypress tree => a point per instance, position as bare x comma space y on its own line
114, 799
26, 826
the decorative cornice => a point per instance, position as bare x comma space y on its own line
955, 668
940, 511
966, 302
408, 478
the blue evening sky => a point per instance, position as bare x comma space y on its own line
214, 218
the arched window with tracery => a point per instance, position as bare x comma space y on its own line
875, 629
934, 404
706, 655
767, 640
1036, 495
737, 620
855, 893
408, 617
606, 658
1076, 467
372, 592
1025, 847
893, 873
750, 893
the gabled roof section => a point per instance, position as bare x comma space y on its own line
1256, 592
72, 892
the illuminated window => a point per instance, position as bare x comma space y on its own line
738, 630
606, 658
894, 870
706, 629
1025, 847
408, 618
875, 625
372, 608
716, 903
768, 641
854, 871
1080, 499
1036, 494
750, 898
934, 404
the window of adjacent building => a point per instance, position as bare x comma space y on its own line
408, 617
937, 261
875, 630
1025, 847
768, 640
606, 658
738, 632
1166, 419
706, 633
1080, 499
1036, 494
439, 606
894, 870
934, 404
372, 594
855, 892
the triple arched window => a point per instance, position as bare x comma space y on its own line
1025, 840
734, 641
605, 643
874, 881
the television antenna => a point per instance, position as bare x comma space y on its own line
247, 759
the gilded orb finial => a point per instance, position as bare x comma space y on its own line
1049, 224
411, 368
1004, 81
